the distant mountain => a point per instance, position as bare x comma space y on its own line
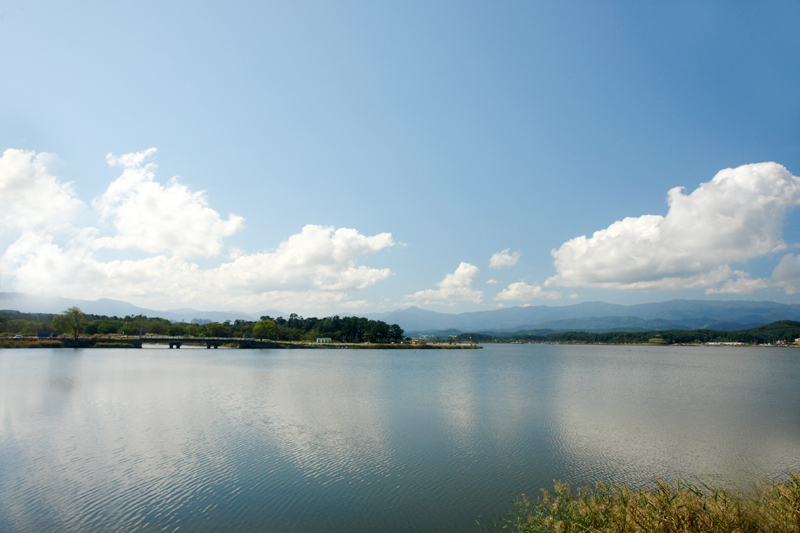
601, 316
30, 303
586, 316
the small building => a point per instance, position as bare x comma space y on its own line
321, 340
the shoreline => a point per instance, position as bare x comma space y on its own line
214, 342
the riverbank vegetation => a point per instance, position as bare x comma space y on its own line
349, 329
666, 508
358, 330
29, 343
785, 331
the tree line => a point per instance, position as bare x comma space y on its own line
296, 328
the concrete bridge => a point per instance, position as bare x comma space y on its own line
210, 342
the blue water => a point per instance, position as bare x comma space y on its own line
346, 440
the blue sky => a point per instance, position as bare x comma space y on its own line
324, 157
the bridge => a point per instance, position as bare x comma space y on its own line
210, 342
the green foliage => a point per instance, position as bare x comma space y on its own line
30, 343
178, 330
347, 329
669, 508
73, 319
295, 328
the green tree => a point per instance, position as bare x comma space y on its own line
179, 329
266, 329
73, 319
159, 326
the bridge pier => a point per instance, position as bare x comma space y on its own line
174, 345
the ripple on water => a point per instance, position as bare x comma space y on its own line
331, 442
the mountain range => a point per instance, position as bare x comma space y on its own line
586, 316
601, 316
32, 303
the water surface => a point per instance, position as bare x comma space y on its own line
339, 440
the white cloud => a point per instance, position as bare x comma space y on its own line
356, 304
318, 257
735, 217
31, 198
502, 259
313, 268
454, 287
492, 282
296, 270
787, 274
160, 219
524, 292
743, 284
132, 160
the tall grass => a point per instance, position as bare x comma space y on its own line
24, 343
665, 508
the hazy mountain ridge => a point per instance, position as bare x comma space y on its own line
31, 303
586, 316
601, 316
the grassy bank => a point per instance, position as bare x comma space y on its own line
113, 345
668, 507
24, 343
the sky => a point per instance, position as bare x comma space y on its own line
362, 157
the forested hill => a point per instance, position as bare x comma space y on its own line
783, 331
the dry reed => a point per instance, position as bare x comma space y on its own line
665, 508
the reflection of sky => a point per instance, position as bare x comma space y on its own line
328, 419
636, 414
110, 436
314, 439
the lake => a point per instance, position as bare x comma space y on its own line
372, 440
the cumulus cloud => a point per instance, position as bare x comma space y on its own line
31, 198
503, 259
735, 217
290, 274
743, 284
313, 268
455, 287
318, 257
160, 219
524, 292
787, 274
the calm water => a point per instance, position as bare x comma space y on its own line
339, 440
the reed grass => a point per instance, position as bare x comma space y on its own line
665, 508
24, 343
